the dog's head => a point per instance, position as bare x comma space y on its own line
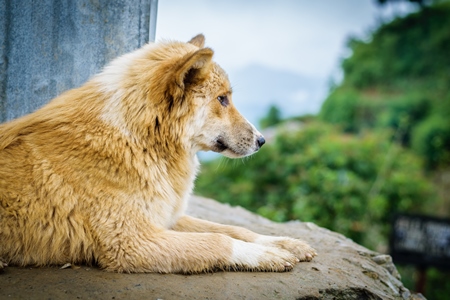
174, 92
216, 124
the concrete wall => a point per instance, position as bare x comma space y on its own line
50, 46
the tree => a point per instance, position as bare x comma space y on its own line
272, 118
421, 3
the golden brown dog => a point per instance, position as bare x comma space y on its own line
102, 173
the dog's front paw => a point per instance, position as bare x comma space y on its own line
2, 264
300, 249
255, 257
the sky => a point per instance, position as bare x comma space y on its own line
283, 52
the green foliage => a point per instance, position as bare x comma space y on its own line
432, 140
416, 46
349, 184
398, 79
341, 108
438, 284
402, 113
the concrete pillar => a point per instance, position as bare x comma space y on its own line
50, 46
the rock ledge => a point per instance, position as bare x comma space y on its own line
342, 270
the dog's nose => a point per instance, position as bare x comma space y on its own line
260, 141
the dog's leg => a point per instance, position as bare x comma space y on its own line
297, 247
169, 251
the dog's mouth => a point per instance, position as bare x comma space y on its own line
220, 145
244, 147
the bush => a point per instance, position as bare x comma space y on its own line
341, 108
431, 139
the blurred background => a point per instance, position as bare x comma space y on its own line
354, 99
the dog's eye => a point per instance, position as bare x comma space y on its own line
223, 100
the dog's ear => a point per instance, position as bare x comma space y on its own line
198, 40
193, 68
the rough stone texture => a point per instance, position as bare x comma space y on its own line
50, 46
343, 270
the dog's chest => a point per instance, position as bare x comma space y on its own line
164, 196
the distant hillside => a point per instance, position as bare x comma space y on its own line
400, 80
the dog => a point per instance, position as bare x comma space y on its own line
102, 174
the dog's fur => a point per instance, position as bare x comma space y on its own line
101, 174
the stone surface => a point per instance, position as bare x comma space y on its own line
342, 270
50, 46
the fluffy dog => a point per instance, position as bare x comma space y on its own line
102, 174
